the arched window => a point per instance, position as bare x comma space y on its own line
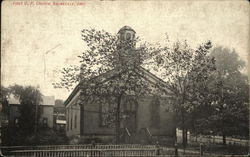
107, 115
155, 113
129, 105
75, 121
67, 112
128, 36
71, 118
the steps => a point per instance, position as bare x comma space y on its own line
142, 137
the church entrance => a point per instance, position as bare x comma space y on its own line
129, 110
130, 121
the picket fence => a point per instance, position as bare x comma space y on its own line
131, 150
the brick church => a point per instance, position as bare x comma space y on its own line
145, 120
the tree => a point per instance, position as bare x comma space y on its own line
185, 70
30, 99
5, 92
231, 95
110, 69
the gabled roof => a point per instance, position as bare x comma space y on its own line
108, 75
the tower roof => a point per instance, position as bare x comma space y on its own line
124, 28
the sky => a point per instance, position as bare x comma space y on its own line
38, 39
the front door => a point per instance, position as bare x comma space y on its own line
129, 110
130, 121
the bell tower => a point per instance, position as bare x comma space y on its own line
126, 33
126, 37
128, 56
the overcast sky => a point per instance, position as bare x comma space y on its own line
28, 32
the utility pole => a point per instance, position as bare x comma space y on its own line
44, 60
44, 70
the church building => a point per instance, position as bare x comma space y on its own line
144, 121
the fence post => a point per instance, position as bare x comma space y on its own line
176, 149
210, 145
92, 147
201, 149
157, 151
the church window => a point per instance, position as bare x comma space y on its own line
71, 124
67, 119
129, 105
71, 117
107, 115
155, 113
75, 121
128, 36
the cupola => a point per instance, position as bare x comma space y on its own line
126, 33
127, 53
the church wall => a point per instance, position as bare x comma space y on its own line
92, 128
92, 122
143, 118
166, 123
73, 117
164, 131
73, 120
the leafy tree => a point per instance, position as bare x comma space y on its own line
231, 95
185, 70
5, 92
4, 112
29, 98
110, 69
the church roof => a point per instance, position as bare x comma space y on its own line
124, 28
110, 74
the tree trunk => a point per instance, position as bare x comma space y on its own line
184, 132
117, 128
175, 122
185, 136
175, 135
224, 139
194, 134
183, 129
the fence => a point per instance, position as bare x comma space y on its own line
211, 139
85, 146
81, 151
85, 153
218, 140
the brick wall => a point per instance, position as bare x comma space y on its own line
91, 120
